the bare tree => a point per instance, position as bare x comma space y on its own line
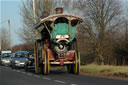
101, 19
43, 8
122, 44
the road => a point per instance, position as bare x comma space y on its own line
10, 76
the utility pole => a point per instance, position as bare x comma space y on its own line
34, 11
10, 41
34, 15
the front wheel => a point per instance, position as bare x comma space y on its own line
46, 63
77, 63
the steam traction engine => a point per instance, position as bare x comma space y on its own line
58, 45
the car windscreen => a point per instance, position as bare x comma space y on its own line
31, 54
6, 55
21, 55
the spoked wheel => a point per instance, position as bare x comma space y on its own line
75, 68
77, 63
46, 63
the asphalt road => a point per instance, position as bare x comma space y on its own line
10, 76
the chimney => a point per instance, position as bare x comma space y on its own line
59, 10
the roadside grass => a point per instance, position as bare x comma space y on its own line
105, 70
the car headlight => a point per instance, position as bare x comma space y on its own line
16, 61
7, 60
3, 60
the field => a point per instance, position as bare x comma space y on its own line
105, 70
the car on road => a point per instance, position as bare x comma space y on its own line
5, 59
18, 61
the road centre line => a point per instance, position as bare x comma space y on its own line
23, 72
29, 74
46, 78
73, 84
60, 81
36, 76
17, 71
14, 70
9, 68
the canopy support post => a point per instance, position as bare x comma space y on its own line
69, 28
47, 29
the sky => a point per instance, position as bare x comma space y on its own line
10, 9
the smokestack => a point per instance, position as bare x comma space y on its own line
59, 10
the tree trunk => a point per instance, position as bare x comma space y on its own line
101, 59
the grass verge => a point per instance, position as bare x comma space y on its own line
106, 70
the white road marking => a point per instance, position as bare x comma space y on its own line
46, 78
9, 69
36, 76
14, 70
17, 71
60, 81
23, 72
73, 84
29, 74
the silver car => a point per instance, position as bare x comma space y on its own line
5, 59
19, 59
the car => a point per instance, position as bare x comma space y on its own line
3, 54
30, 63
5, 59
18, 61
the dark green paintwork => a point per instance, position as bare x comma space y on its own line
63, 29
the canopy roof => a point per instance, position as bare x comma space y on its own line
52, 18
67, 16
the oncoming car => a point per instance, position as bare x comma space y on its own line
5, 59
19, 59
